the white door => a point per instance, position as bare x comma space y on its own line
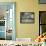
9, 16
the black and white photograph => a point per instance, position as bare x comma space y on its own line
42, 1
27, 17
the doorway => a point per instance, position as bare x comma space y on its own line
42, 22
7, 21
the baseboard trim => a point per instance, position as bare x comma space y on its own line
24, 39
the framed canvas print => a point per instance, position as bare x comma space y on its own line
42, 1
27, 17
7, 20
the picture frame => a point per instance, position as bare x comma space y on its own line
27, 17
42, 1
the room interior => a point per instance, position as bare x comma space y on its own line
21, 30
